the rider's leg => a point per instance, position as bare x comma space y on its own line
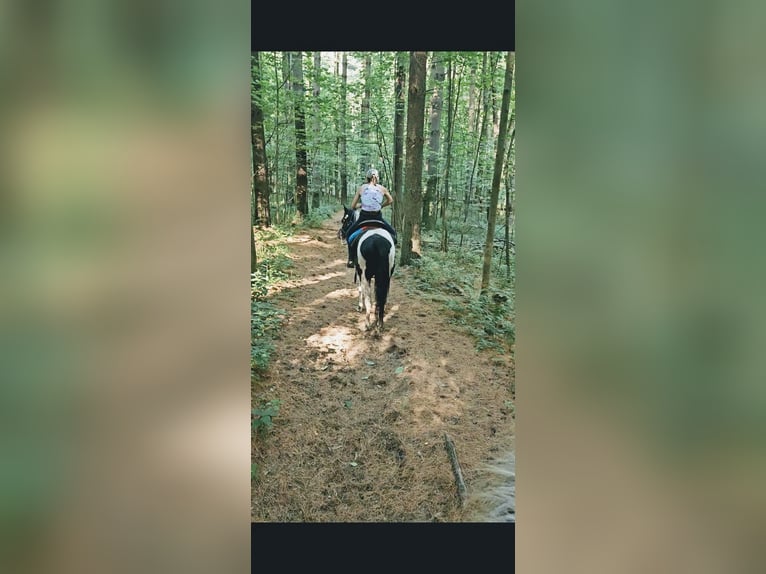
350, 262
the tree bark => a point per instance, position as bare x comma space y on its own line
416, 103
398, 211
316, 179
336, 163
453, 96
437, 78
258, 142
490, 121
301, 168
485, 272
343, 143
364, 160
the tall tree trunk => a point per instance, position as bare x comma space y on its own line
416, 104
301, 169
437, 78
336, 163
495, 115
485, 146
289, 193
485, 271
510, 180
343, 143
490, 120
275, 175
316, 178
253, 256
364, 161
453, 96
258, 140
398, 207
508, 190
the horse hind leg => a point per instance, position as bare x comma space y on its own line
368, 303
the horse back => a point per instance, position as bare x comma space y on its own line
377, 249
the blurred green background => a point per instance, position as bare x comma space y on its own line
640, 287
124, 335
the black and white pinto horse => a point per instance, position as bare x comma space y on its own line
376, 256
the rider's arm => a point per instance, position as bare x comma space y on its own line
389, 200
356, 198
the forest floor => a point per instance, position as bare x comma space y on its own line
360, 433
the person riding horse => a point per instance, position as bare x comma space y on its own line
373, 197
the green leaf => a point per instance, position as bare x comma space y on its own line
399, 370
347, 404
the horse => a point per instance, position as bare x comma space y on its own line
376, 256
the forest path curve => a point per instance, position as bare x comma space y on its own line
360, 432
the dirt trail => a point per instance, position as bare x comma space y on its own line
360, 432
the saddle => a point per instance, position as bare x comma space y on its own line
371, 224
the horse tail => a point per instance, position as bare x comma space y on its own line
382, 284
376, 254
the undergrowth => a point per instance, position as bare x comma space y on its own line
453, 280
318, 216
265, 317
265, 321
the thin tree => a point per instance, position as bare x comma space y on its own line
490, 121
472, 172
316, 180
485, 272
262, 208
301, 170
509, 185
336, 163
510, 182
284, 174
343, 143
398, 211
364, 161
437, 78
453, 96
416, 104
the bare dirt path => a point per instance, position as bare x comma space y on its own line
360, 432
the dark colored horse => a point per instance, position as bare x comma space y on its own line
376, 256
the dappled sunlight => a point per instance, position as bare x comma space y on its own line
334, 263
339, 341
295, 283
390, 313
434, 402
305, 239
347, 293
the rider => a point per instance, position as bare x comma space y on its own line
373, 197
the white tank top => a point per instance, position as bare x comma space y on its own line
371, 197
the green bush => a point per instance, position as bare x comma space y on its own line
265, 317
262, 417
318, 216
451, 279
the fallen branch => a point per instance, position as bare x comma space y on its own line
461, 490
